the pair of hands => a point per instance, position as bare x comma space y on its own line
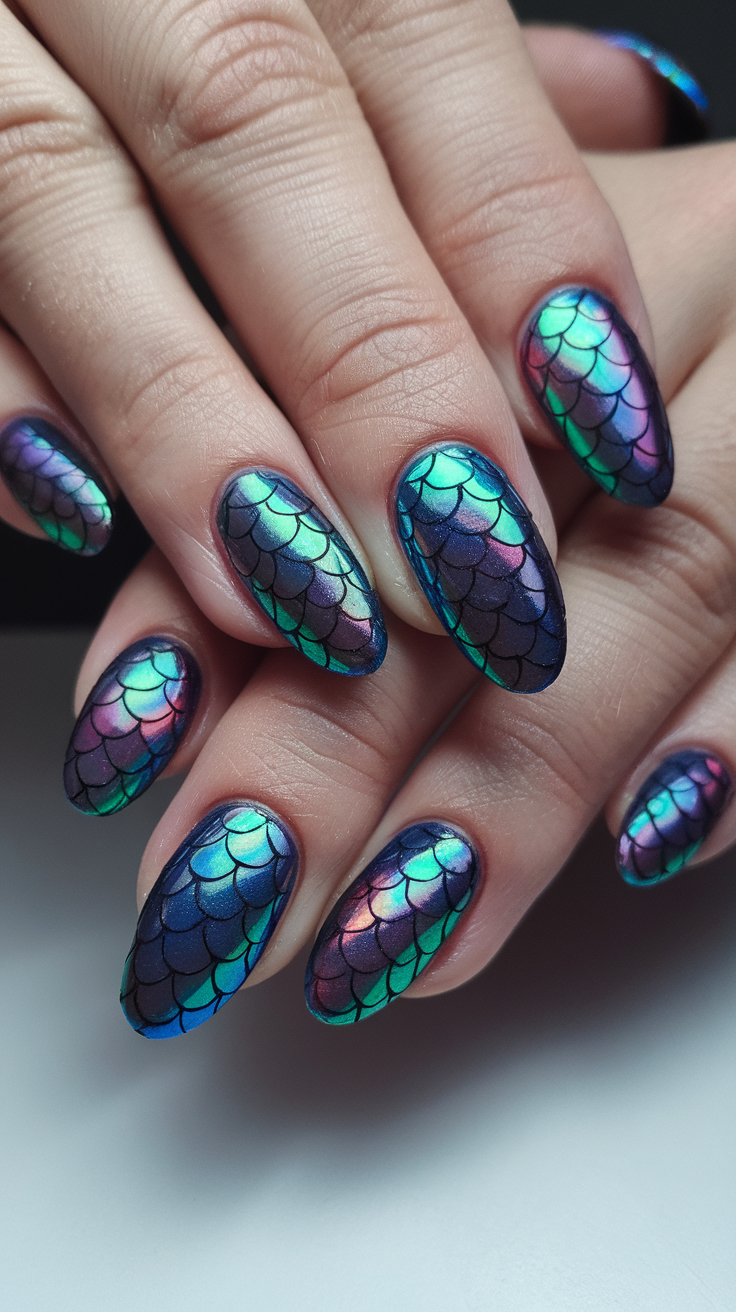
384, 317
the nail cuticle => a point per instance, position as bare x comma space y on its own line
590, 378
299, 569
209, 918
672, 814
55, 484
131, 725
391, 922
483, 565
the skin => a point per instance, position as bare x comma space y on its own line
651, 669
262, 138
506, 762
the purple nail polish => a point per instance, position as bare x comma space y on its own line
131, 725
56, 485
595, 386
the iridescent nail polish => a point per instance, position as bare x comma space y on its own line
671, 816
131, 725
208, 919
56, 485
391, 922
302, 572
483, 566
594, 384
689, 104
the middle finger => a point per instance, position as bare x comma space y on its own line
245, 124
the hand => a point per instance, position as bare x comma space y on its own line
252, 139
650, 674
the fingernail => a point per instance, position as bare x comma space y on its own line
208, 919
688, 117
56, 485
594, 384
302, 572
131, 725
671, 816
483, 566
391, 922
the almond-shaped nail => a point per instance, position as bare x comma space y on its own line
391, 922
208, 919
131, 725
483, 566
671, 816
592, 381
56, 485
300, 570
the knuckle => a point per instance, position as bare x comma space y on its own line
388, 347
38, 128
244, 72
529, 214
347, 745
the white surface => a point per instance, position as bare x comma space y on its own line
559, 1135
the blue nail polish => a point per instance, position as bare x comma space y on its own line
483, 566
208, 919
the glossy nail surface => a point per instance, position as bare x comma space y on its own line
208, 918
591, 379
671, 815
390, 923
483, 566
56, 485
692, 125
302, 572
131, 725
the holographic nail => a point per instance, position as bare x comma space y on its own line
56, 485
131, 725
688, 102
208, 919
671, 816
302, 572
391, 922
483, 566
591, 379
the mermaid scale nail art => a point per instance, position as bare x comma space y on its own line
671, 816
131, 725
56, 485
391, 922
208, 919
483, 566
302, 572
592, 381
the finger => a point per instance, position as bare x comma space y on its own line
687, 108
606, 97
276, 806
253, 133
651, 608
674, 809
53, 484
508, 211
154, 683
114, 324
